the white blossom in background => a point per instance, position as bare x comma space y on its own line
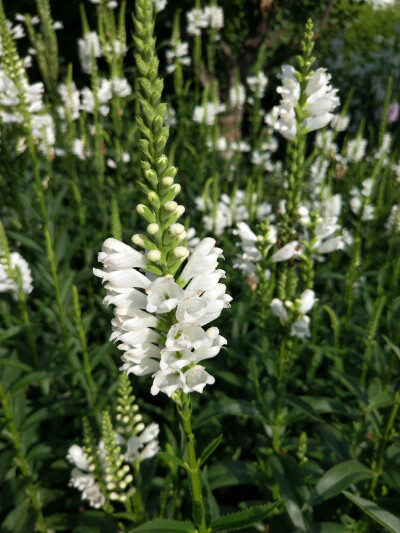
179, 52
43, 129
34, 95
197, 20
322, 99
79, 149
88, 48
215, 16
258, 84
355, 150
237, 95
229, 210
207, 113
20, 271
393, 221
340, 122
295, 312
8, 91
111, 4
87, 100
121, 87
82, 479
144, 304
159, 5
70, 97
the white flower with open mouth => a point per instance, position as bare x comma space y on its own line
159, 321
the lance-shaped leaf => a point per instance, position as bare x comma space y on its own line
242, 519
383, 517
164, 526
209, 449
339, 478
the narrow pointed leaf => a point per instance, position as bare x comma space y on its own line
383, 517
209, 449
227, 407
164, 526
286, 487
339, 478
242, 519
172, 458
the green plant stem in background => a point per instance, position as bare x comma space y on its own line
22, 461
184, 406
85, 355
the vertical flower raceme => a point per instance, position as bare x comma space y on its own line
162, 311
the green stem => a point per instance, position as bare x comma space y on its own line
185, 411
377, 466
21, 459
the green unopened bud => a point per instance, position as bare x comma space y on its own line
176, 229
180, 210
154, 255
138, 239
140, 427
182, 236
160, 143
114, 496
150, 175
129, 478
153, 229
154, 199
171, 171
162, 163
145, 212
170, 206
180, 252
167, 182
176, 188
158, 122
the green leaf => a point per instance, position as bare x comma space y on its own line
329, 527
338, 478
226, 407
383, 399
169, 457
209, 449
242, 519
231, 473
11, 332
95, 522
383, 517
283, 471
395, 348
165, 526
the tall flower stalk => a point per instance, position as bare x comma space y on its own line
160, 309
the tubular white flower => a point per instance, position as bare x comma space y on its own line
144, 305
292, 249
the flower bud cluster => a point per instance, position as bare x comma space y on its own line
159, 322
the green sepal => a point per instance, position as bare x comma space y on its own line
168, 221
164, 526
151, 267
145, 147
170, 193
144, 187
146, 131
209, 450
242, 519
148, 244
147, 214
